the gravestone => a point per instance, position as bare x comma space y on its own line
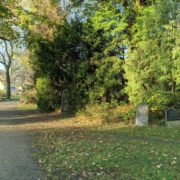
65, 101
172, 117
142, 115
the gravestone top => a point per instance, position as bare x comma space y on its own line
142, 115
173, 114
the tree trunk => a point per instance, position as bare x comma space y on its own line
173, 86
8, 84
139, 3
65, 102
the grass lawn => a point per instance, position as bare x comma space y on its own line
108, 152
26, 107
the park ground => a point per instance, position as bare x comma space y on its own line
82, 148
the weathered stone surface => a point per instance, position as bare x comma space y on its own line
173, 123
172, 117
142, 115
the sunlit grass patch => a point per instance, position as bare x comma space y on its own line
79, 147
103, 152
23, 107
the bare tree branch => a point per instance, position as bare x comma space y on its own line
3, 57
3, 38
2, 63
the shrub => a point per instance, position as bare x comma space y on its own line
107, 113
95, 112
29, 97
47, 99
123, 113
161, 101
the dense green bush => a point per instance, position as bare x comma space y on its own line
152, 67
96, 110
47, 100
119, 115
161, 101
108, 113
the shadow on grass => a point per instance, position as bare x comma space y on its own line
21, 117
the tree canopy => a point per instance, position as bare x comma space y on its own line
101, 51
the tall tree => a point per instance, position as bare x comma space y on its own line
150, 65
9, 14
107, 37
6, 54
22, 74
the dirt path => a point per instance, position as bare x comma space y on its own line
16, 162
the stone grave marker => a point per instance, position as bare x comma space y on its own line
142, 115
172, 117
65, 101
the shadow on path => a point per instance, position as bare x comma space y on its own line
16, 162
9, 115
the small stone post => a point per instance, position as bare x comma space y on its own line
65, 101
142, 115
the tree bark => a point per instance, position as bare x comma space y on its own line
8, 83
174, 86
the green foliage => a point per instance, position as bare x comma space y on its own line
9, 10
109, 113
107, 82
109, 43
77, 61
151, 68
129, 115
46, 100
107, 52
96, 111
2, 93
123, 113
62, 60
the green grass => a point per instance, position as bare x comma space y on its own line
26, 107
13, 98
108, 152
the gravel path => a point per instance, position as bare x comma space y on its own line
16, 162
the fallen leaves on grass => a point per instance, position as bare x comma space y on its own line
107, 153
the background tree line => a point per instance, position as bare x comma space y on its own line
103, 51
